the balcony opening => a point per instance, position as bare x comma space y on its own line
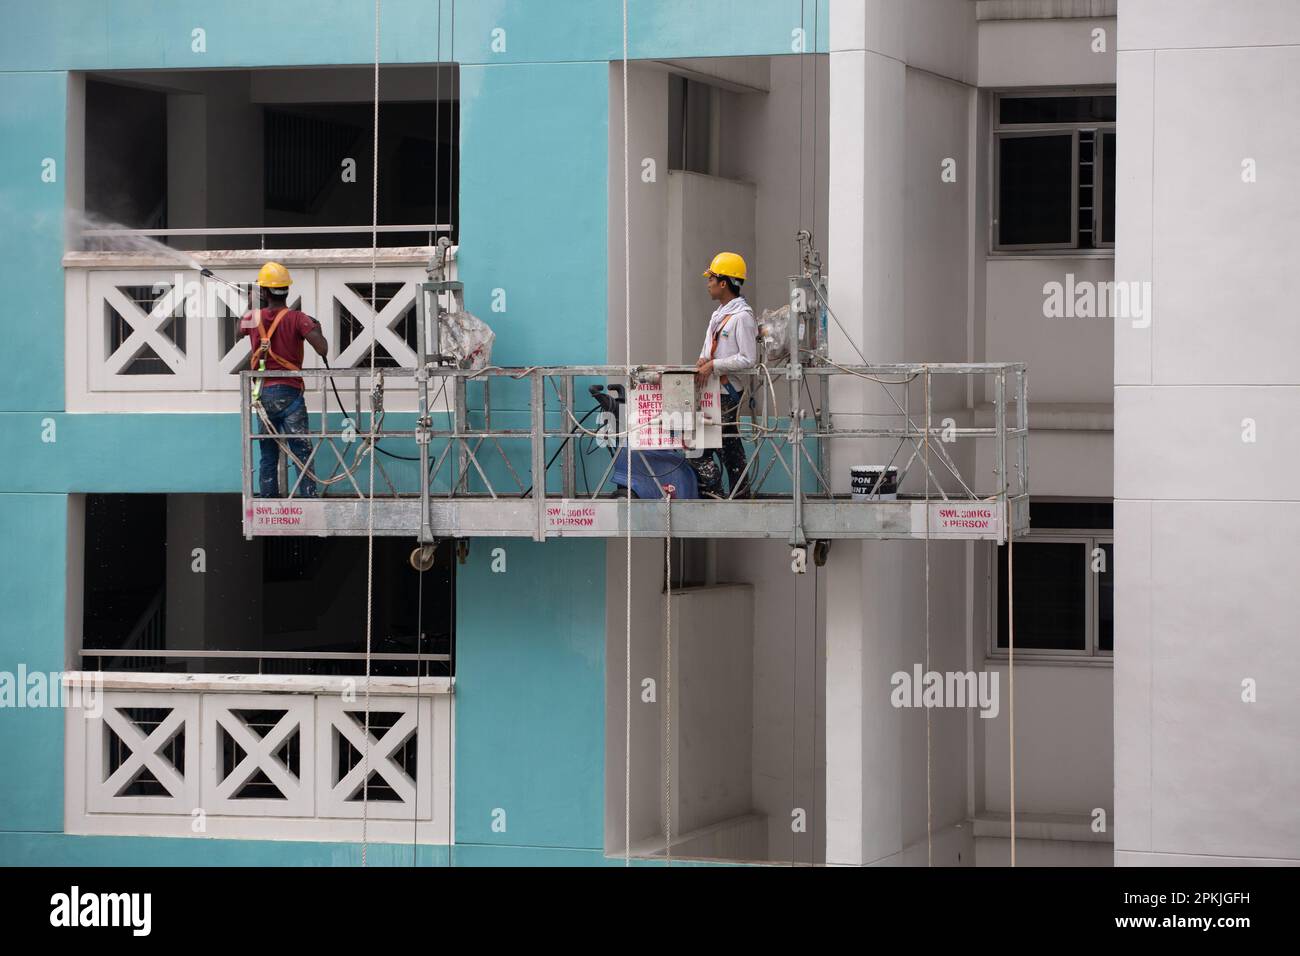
284, 150
170, 585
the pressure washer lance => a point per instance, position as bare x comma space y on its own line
209, 274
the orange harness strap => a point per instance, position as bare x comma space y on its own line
722, 380
265, 336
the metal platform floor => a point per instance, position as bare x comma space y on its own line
608, 517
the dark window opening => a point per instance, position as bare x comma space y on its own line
690, 125
1040, 110
1050, 596
126, 155
317, 163
295, 151
1064, 581
1055, 183
149, 592
1099, 515
1035, 190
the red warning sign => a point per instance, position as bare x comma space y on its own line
278, 516
956, 519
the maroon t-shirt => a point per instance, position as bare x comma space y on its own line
286, 342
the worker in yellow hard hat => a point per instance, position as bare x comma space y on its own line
730, 344
278, 333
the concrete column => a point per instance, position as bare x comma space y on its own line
865, 265
187, 166
889, 250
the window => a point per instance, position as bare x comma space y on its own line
171, 585
1064, 583
1054, 162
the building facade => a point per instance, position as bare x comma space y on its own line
989, 180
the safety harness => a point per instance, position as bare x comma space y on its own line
717, 334
257, 361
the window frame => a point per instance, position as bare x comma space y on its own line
1091, 539
999, 131
1101, 240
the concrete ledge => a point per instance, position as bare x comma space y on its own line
1059, 827
1056, 416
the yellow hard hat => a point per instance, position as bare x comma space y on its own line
727, 264
273, 276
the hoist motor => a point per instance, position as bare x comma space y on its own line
449, 335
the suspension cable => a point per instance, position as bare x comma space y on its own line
419, 672
929, 798
370, 498
451, 678
668, 679
1011, 672
627, 348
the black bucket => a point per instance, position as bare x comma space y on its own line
864, 478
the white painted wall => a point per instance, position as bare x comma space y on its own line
789, 743
761, 145
647, 789
1070, 359
706, 214
679, 222
1203, 600
1064, 723
900, 264
713, 704
1047, 52
713, 707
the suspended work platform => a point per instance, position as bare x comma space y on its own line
461, 459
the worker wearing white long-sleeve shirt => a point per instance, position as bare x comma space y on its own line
730, 344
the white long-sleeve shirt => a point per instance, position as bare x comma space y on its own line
737, 340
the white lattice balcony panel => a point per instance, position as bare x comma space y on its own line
151, 335
143, 755
254, 761
188, 756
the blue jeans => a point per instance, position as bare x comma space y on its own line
287, 412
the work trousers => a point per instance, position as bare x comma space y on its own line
287, 412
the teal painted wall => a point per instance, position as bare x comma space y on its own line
158, 34
533, 204
530, 694
534, 181
57, 849
33, 582
33, 107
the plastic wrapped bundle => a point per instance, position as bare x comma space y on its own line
468, 339
774, 332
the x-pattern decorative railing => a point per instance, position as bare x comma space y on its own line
145, 751
382, 748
